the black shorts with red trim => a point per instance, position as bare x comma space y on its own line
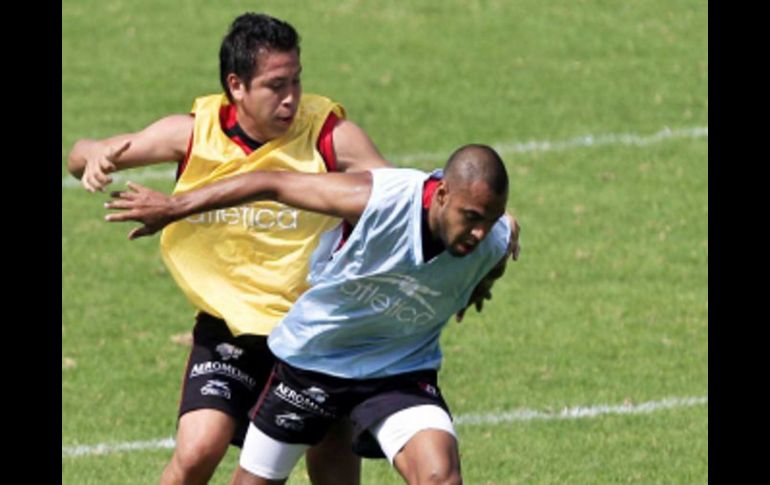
299, 406
224, 372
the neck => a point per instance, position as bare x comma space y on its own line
248, 127
433, 224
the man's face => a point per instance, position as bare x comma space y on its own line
466, 215
267, 105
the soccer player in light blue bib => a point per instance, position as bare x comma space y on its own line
363, 341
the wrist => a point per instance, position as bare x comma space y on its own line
179, 206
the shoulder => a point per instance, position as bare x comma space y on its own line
403, 176
394, 189
320, 106
355, 150
209, 102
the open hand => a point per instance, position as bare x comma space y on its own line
153, 209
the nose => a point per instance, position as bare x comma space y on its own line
479, 232
292, 96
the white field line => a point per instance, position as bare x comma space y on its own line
633, 139
142, 175
578, 412
109, 448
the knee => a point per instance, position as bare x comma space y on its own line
198, 458
437, 475
444, 477
433, 473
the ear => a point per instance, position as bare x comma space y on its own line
236, 86
442, 193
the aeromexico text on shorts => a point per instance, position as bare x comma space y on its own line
224, 369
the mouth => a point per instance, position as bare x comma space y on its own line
465, 247
285, 120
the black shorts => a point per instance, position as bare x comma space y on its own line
224, 372
298, 406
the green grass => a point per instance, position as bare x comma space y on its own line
608, 304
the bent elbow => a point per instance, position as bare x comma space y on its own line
75, 161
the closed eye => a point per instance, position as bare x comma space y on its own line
472, 216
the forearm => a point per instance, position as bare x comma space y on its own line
229, 192
165, 140
333, 194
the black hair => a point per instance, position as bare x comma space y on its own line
250, 34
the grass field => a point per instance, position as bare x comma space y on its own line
608, 304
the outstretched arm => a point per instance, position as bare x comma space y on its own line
165, 140
335, 194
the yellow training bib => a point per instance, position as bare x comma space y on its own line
247, 264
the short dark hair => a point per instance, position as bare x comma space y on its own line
249, 35
478, 162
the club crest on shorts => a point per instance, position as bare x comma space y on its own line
429, 388
216, 387
316, 394
228, 351
290, 421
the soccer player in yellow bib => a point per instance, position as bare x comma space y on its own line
241, 267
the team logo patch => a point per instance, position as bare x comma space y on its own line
216, 388
228, 351
316, 394
290, 421
429, 388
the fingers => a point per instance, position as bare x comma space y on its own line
515, 248
136, 187
515, 227
95, 176
107, 166
140, 232
126, 215
480, 300
124, 200
131, 194
121, 200
459, 315
115, 153
123, 204
515, 252
86, 183
94, 181
102, 178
